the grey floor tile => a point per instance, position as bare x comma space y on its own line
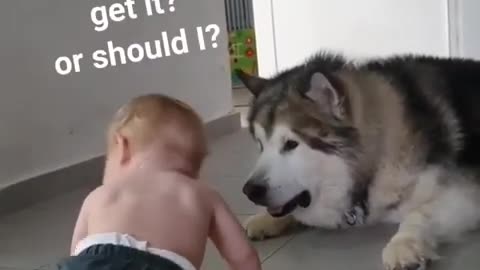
317, 249
463, 255
360, 249
227, 169
231, 156
265, 249
40, 234
231, 190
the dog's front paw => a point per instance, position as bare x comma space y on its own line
407, 253
262, 226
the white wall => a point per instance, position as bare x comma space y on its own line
48, 121
356, 28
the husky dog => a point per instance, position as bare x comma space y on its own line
388, 140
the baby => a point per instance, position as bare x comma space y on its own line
151, 212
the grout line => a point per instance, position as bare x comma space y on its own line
277, 249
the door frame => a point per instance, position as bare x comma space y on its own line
264, 21
455, 37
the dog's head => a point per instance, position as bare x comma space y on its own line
302, 125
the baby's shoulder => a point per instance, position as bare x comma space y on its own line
99, 195
209, 192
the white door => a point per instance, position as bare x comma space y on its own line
356, 28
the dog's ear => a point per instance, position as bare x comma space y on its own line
327, 97
253, 83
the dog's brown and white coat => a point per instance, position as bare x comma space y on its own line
397, 138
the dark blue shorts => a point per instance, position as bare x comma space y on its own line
113, 257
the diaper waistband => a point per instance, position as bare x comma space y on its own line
126, 240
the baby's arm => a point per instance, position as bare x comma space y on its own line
80, 230
81, 226
229, 238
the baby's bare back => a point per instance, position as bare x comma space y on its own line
170, 211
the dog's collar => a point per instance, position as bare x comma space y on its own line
359, 209
358, 213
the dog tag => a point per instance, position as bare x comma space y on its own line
355, 216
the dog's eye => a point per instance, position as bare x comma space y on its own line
289, 145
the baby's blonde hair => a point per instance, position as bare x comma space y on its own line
149, 117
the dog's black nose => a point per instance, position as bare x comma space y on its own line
254, 192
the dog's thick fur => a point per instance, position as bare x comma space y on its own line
401, 136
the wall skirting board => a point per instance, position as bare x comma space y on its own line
86, 174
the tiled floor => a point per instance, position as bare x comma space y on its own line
39, 235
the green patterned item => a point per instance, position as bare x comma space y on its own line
243, 53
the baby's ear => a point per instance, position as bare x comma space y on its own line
124, 148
